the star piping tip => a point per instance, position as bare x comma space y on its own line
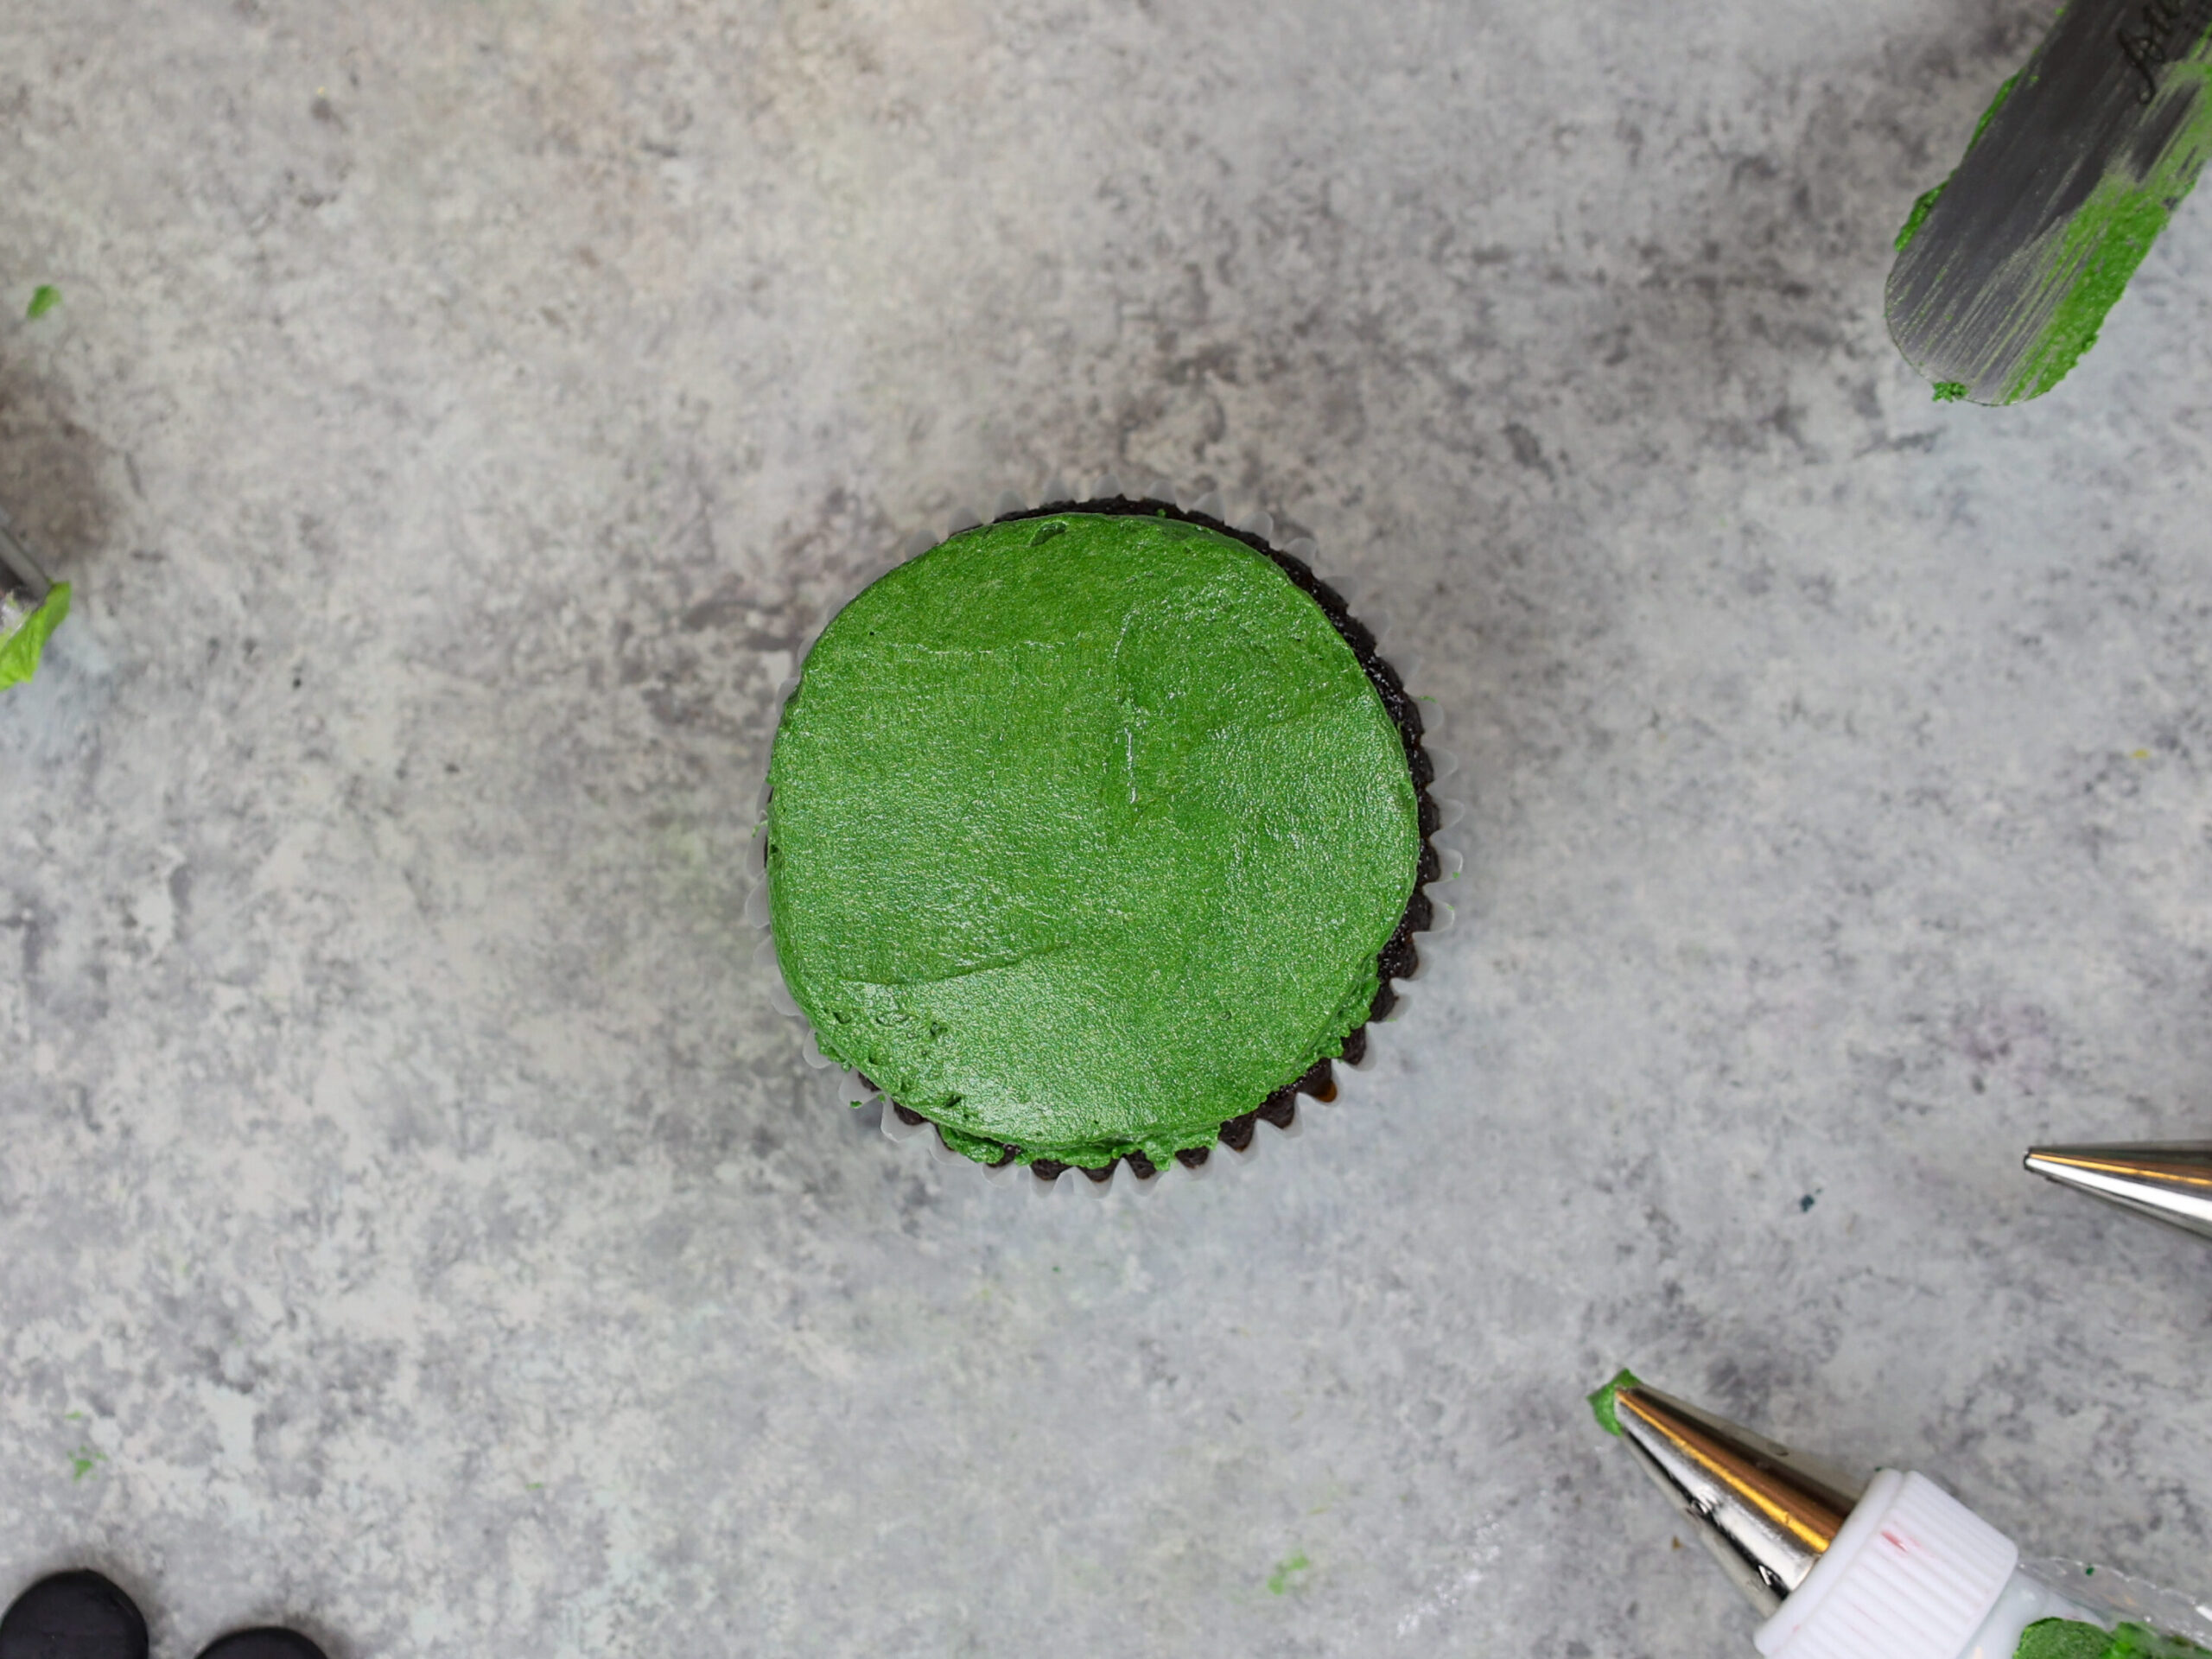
2167, 1180
1765, 1513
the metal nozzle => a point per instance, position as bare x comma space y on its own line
1766, 1513
2168, 1181
17, 568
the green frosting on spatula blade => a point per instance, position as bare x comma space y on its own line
2006, 270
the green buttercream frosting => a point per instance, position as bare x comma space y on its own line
23, 633
2105, 241
1926, 202
2071, 1638
2062, 1639
1602, 1402
1084, 833
2132, 1641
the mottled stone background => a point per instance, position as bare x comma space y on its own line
414, 1221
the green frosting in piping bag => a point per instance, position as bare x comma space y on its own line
2062, 1639
2071, 1638
1084, 833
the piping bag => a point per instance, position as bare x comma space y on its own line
2005, 271
1893, 1567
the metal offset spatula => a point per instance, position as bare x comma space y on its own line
2005, 270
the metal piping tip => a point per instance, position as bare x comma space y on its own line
17, 568
2167, 1180
1766, 1514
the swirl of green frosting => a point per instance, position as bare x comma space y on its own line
1084, 833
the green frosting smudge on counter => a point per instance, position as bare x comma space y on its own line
1084, 833
44, 298
1602, 1402
2072, 1638
24, 635
1280, 1579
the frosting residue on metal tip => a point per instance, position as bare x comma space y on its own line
1602, 1402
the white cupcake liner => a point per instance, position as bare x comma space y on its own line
1354, 1084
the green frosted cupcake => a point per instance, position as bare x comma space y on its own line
1098, 833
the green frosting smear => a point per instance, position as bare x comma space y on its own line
1925, 202
2104, 243
1084, 833
1602, 1402
2070, 1638
24, 635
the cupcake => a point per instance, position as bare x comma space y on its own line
30, 608
1096, 834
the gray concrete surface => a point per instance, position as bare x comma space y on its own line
414, 1220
